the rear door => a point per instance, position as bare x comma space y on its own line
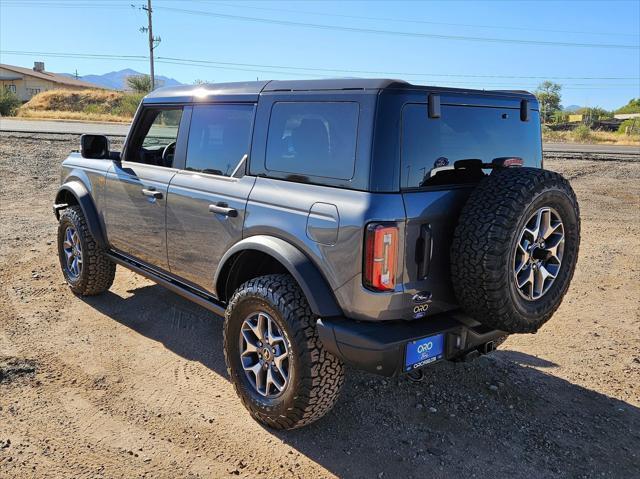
136, 188
207, 197
434, 192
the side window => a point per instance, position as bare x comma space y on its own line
154, 141
219, 138
313, 139
163, 130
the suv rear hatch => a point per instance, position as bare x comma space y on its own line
434, 190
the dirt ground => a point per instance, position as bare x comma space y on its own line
133, 384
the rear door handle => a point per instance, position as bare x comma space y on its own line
152, 193
222, 208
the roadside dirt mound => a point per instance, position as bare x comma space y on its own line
82, 105
74, 100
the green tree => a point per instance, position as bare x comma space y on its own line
9, 102
142, 83
548, 94
632, 107
560, 116
592, 114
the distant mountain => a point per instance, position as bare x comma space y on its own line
118, 80
571, 108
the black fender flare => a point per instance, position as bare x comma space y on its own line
83, 198
305, 272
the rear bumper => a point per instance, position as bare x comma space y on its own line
379, 347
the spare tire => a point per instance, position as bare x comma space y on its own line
515, 248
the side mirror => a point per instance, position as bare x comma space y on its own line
95, 147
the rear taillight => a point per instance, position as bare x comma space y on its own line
380, 256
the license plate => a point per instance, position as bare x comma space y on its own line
424, 351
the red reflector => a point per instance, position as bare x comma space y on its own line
507, 161
512, 162
380, 257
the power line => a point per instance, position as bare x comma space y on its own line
325, 14
353, 29
578, 86
374, 72
396, 33
421, 22
299, 70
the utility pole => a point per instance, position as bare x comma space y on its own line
153, 41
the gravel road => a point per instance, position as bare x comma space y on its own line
133, 384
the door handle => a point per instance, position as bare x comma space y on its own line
223, 209
152, 193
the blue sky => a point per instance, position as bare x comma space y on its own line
264, 39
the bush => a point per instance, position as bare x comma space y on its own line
128, 104
631, 125
9, 102
549, 134
582, 133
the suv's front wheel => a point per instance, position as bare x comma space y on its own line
85, 265
278, 366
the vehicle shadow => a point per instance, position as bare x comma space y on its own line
497, 416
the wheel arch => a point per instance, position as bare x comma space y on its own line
75, 193
262, 254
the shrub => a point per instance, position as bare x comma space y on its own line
128, 104
582, 133
631, 125
9, 102
550, 135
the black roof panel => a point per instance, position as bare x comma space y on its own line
249, 91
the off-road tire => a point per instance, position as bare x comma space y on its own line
485, 240
316, 376
98, 271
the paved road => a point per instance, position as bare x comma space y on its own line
579, 148
70, 127
118, 129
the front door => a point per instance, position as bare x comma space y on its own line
207, 199
136, 188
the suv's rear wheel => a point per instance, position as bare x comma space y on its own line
515, 248
85, 265
278, 366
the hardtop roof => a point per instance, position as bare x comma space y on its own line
238, 91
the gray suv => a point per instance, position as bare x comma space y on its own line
372, 223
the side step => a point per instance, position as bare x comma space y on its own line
192, 294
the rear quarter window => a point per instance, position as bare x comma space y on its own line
315, 139
431, 146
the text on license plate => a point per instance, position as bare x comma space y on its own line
424, 351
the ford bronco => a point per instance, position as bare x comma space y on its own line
370, 223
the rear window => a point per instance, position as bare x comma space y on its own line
313, 139
430, 146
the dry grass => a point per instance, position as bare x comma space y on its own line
93, 105
73, 100
72, 115
593, 137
